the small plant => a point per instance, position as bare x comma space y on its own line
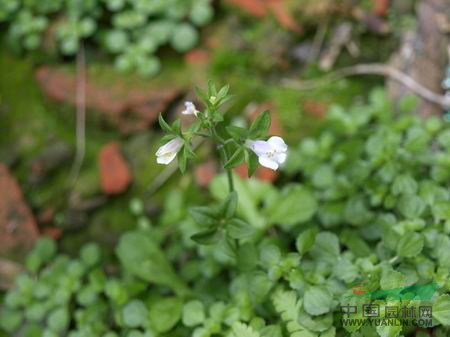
131, 31
238, 145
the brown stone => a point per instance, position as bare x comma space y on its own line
18, 229
253, 7
52, 232
197, 56
8, 273
115, 174
380, 7
130, 108
283, 17
205, 172
263, 8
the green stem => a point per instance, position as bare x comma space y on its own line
224, 155
229, 172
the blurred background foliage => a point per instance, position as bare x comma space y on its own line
135, 59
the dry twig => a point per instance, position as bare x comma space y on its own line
372, 69
81, 115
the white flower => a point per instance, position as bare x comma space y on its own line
271, 153
190, 109
168, 151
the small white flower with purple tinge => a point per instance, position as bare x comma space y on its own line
168, 151
271, 153
189, 109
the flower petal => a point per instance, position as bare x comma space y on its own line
281, 157
166, 159
278, 144
190, 109
260, 147
268, 162
173, 146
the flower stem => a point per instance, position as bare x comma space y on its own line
229, 172
223, 155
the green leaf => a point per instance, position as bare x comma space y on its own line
204, 216
135, 314
90, 254
166, 127
182, 161
165, 313
143, 258
259, 285
243, 330
391, 279
10, 320
176, 126
45, 248
223, 92
212, 89
58, 320
236, 132
306, 240
193, 313
239, 229
410, 245
202, 95
252, 162
288, 307
323, 177
441, 310
260, 126
207, 237
317, 300
393, 330
250, 195
326, 247
353, 241
294, 205
235, 160
404, 184
411, 206
188, 151
228, 207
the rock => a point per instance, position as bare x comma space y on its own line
128, 107
18, 229
115, 176
8, 272
53, 232
197, 56
46, 216
380, 7
263, 8
284, 18
205, 172
256, 8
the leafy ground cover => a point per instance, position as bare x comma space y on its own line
368, 204
358, 214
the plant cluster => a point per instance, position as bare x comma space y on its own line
368, 205
131, 31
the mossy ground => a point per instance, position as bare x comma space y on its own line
30, 121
